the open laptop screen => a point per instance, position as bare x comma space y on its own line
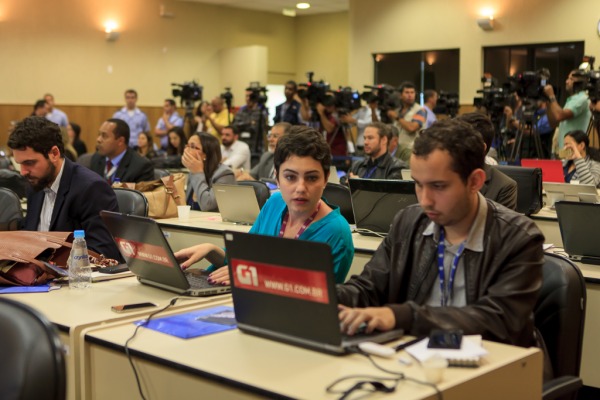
552, 170
578, 224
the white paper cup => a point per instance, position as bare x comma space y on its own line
433, 368
183, 213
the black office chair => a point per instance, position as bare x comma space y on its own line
529, 187
85, 160
33, 360
339, 195
11, 212
132, 202
560, 317
14, 181
260, 189
160, 173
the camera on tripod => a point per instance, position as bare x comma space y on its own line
315, 92
258, 94
494, 100
383, 94
447, 104
346, 100
529, 84
227, 97
188, 92
593, 86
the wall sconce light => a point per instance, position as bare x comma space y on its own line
110, 27
486, 21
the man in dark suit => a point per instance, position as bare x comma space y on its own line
290, 110
113, 159
63, 196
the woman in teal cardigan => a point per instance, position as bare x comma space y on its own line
302, 160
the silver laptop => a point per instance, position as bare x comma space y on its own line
566, 191
148, 255
237, 203
284, 289
579, 224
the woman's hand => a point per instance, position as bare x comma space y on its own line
192, 160
220, 276
191, 255
575, 154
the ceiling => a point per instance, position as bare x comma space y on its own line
276, 6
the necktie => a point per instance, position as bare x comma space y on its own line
109, 166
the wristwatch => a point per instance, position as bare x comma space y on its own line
552, 99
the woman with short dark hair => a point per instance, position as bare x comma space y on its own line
583, 162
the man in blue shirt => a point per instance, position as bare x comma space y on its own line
133, 116
54, 114
168, 120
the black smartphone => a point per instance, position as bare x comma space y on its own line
115, 269
132, 307
441, 339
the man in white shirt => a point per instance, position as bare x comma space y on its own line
236, 153
54, 114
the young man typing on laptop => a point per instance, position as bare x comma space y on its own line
488, 273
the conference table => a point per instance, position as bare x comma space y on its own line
234, 364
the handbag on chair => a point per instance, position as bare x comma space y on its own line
163, 195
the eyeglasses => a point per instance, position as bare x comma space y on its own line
273, 136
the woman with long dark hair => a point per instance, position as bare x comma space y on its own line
177, 141
202, 156
145, 146
583, 163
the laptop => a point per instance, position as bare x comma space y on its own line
578, 224
376, 201
148, 255
284, 289
237, 203
556, 192
552, 170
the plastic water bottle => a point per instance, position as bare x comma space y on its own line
80, 272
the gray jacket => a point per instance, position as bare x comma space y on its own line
205, 196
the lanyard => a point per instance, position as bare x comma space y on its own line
369, 172
304, 225
445, 291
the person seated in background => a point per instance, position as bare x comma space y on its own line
265, 169
40, 109
74, 132
302, 161
488, 274
583, 162
378, 164
202, 157
177, 141
236, 153
497, 186
63, 196
70, 151
145, 146
114, 159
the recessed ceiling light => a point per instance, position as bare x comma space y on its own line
303, 6
289, 12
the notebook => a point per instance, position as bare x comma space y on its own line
566, 191
376, 201
578, 224
284, 289
552, 170
237, 203
148, 255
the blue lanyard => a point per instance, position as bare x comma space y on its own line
446, 291
370, 172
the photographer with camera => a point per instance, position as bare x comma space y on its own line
575, 115
331, 126
367, 114
251, 119
290, 110
410, 118
167, 121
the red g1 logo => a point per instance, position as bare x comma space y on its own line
247, 275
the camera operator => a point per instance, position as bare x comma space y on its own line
509, 124
216, 117
410, 119
168, 120
575, 115
362, 117
331, 126
251, 121
290, 110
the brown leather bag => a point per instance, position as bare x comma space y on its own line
163, 195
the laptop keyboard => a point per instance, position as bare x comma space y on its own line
197, 281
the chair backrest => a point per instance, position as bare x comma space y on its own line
560, 314
339, 195
33, 360
132, 202
160, 173
529, 187
260, 189
85, 160
14, 181
11, 211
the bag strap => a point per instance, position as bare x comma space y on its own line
171, 189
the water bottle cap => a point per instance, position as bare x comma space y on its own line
79, 234
117, 180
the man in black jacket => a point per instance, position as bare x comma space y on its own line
378, 163
113, 159
64, 196
488, 273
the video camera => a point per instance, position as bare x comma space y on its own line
383, 94
529, 85
593, 86
227, 96
315, 92
494, 100
188, 92
346, 100
258, 93
447, 104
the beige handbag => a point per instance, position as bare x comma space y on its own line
163, 195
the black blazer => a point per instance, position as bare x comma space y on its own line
291, 114
81, 196
132, 168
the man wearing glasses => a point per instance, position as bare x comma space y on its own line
264, 169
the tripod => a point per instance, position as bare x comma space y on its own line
526, 124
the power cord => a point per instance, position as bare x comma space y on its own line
368, 232
144, 323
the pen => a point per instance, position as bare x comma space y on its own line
404, 345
